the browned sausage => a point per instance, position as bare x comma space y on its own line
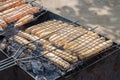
6, 2
3, 24
96, 49
23, 41
57, 60
24, 20
11, 5
13, 9
25, 7
19, 15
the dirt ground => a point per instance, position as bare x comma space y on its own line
102, 13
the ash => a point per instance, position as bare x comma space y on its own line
40, 67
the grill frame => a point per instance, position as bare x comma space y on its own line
49, 16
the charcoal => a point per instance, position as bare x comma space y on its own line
49, 67
37, 67
40, 78
28, 66
38, 50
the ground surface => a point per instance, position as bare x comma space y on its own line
102, 13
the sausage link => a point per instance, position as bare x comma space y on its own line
11, 5
23, 41
96, 49
16, 17
24, 20
57, 60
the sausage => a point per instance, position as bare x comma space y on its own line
16, 17
27, 36
49, 47
72, 43
76, 34
45, 27
59, 34
11, 5
6, 2
85, 42
71, 36
96, 49
14, 9
66, 56
3, 24
24, 20
57, 60
75, 42
25, 7
28, 30
48, 32
91, 44
64, 33
33, 38
25, 42
82, 39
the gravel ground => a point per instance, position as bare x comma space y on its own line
101, 13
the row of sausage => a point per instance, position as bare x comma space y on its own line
78, 43
17, 11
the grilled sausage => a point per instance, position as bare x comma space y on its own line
3, 24
42, 27
23, 8
85, 42
14, 9
6, 2
81, 40
49, 47
24, 20
66, 56
91, 44
19, 15
57, 60
23, 41
33, 38
65, 31
48, 32
96, 49
11, 5
28, 30
69, 37
48, 28
72, 43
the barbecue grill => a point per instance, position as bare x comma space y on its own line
11, 59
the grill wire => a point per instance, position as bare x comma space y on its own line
34, 62
26, 58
